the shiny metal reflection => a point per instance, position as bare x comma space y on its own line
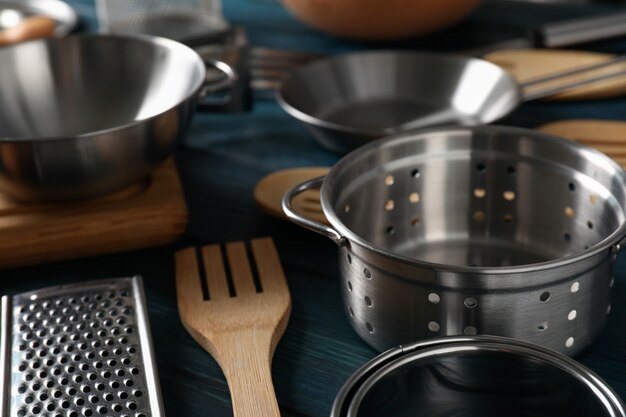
85, 115
474, 230
472, 377
349, 100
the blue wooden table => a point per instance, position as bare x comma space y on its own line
220, 161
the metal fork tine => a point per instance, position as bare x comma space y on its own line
240, 268
215, 272
268, 264
188, 285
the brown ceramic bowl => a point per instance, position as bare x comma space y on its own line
380, 20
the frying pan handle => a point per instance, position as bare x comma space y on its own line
210, 87
320, 228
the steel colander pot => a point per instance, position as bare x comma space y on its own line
464, 231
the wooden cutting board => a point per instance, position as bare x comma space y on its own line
150, 213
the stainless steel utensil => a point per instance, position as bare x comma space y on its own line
475, 376
78, 350
484, 230
564, 33
13, 12
349, 100
95, 113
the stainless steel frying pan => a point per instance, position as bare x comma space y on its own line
349, 100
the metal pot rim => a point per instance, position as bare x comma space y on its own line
364, 378
153, 40
614, 240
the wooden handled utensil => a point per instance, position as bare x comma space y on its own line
237, 319
33, 27
607, 136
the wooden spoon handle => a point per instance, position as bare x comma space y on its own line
33, 27
245, 358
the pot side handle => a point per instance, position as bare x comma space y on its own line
320, 228
205, 102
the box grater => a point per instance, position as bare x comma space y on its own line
80, 350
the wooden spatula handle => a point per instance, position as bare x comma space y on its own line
245, 359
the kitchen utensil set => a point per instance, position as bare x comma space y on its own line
441, 232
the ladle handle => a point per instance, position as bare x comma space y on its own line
576, 31
295, 217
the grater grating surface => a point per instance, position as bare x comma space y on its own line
79, 351
181, 20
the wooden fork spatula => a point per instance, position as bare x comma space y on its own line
236, 318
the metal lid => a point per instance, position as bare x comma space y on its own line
475, 376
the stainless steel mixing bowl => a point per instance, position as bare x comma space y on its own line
86, 115
475, 377
484, 230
